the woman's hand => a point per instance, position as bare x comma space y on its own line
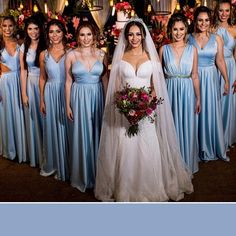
69, 113
42, 108
226, 88
25, 100
198, 106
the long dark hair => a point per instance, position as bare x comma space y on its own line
62, 27
41, 43
216, 12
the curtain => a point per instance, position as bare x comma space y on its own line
53, 5
164, 5
101, 16
3, 5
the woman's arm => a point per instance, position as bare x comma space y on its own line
23, 80
196, 82
42, 82
69, 81
220, 62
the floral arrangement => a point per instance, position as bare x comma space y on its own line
19, 16
136, 104
188, 12
158, 32
123, 6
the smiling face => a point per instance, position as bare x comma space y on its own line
85, 37
203, 22
8, 28
33, 31
224, 12
55, 34
135, 37
178, 31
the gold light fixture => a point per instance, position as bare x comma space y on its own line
111, 2
66, 3
35, 7
21, 5
45, 7
149, 8
88, 6
177, 6
132, 13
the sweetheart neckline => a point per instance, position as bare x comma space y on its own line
137, 69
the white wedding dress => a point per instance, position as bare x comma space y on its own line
136, 171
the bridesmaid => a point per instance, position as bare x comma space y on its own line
11, 110
86, 83
210, 52
34, 43
52, 102
227, 31
181, 75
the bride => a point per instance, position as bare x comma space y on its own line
148, 166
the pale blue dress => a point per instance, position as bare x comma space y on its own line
33, 117
12, 124
87, 104
55, 139
182, 101
229, 101
210, 125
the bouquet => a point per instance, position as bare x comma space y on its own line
136, 104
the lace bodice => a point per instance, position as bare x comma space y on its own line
139, 78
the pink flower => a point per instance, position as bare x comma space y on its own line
149, 111
144, 97
233, 2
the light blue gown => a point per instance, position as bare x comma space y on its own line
55, 139
210, 126
182, 100
87, 104
33, 117
229, 101
11, 110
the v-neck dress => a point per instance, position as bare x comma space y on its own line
12, 126
33, 117
55, 136
182, 100
210, 125
87, 104
229, 101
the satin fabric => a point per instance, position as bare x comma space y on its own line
33, 117
228, 102
55, 136
87, 104
11, 110
182, 100
210, 126
140, 172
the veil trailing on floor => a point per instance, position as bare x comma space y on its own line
177, 178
